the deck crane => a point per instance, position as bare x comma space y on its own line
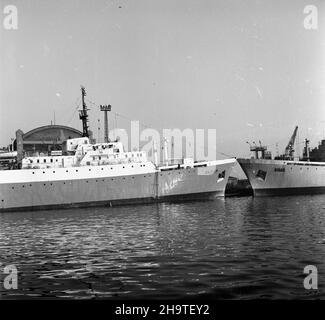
289, 151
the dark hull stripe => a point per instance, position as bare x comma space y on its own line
170, 198
289, 191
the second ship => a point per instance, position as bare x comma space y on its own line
286, 174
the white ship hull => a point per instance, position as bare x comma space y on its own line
281, 177
31, 189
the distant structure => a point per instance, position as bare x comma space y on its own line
43, 139
317, 154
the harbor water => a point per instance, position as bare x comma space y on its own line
232, 248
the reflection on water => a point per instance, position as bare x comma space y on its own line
227, 248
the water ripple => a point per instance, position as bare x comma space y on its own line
238, 248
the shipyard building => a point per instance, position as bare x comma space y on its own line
44, 140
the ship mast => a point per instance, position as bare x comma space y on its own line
105, 109
83, 115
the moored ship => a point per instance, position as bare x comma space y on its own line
104, 174
286, 174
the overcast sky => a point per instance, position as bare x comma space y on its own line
249, 68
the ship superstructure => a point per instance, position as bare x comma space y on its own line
103, 174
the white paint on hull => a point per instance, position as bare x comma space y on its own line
82, 185
282, 174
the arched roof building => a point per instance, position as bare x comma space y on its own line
44, 139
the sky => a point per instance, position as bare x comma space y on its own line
249, 69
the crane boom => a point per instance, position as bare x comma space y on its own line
289, 148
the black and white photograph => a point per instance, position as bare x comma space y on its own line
162, 150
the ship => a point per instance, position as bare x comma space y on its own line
86, 174
286, 174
